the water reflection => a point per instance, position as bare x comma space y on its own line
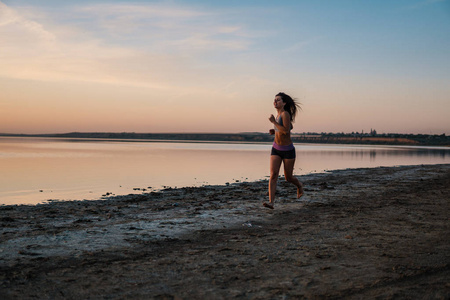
35, 170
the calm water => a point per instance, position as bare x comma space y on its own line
35, 170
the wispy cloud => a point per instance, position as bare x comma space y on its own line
139, 45
302, 44
10, 19
142, 10
161, 27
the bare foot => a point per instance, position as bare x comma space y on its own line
300, 191
268, 205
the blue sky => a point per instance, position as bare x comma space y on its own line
215, 66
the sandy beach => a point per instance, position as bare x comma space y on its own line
357, 234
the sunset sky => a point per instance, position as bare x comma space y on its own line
215, 66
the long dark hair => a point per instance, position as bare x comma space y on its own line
292, 106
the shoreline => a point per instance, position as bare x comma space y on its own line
350, 235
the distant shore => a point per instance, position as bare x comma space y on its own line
356, 233
326, 138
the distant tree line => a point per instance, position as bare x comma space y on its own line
371, 137
378, 139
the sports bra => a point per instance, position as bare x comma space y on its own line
280, 121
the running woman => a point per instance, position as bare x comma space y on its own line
283, 151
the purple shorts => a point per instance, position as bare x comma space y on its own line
285, 152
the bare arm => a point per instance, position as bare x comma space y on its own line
286, 123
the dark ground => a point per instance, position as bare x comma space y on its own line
356, 234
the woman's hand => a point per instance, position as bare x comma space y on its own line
271, 131
272, 119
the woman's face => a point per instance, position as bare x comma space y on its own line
278, 102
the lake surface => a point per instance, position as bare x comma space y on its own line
33, 170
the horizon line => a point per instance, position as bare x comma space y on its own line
221, 133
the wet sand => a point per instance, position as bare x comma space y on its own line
355, 234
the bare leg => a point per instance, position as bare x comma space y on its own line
275, 164
288, 174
